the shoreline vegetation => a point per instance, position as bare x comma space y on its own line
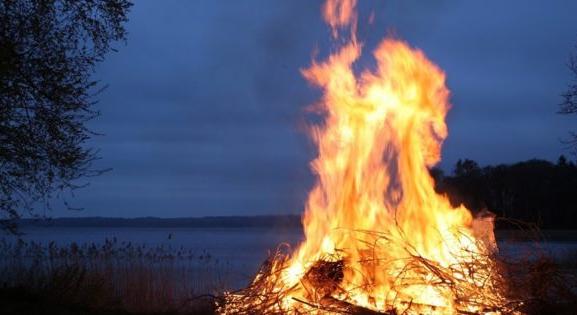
112, 277
119, 277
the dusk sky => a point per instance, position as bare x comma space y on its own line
205, 105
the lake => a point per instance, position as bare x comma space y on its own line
242, 250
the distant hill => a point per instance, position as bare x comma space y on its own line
265, 221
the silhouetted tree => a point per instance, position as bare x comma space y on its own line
467, 168
533, 191
438, 175
569, 104
48, 50
466, 185
562, 161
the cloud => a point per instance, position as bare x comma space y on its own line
203, 110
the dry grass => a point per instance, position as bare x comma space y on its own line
530, 283
124, 278
112, 277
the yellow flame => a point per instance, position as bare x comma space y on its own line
374, 205
383, 129
339, 13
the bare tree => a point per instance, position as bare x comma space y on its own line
569, 104
48, 51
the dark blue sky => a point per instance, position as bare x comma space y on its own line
205, 105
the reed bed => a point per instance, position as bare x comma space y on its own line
128, 278
114, 275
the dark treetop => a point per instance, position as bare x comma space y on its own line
48, 50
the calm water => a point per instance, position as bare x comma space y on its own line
242, 248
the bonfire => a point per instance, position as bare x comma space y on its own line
378, 238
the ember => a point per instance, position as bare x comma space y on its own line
379, 239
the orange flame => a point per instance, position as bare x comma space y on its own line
374, 207
340, 13
382, 131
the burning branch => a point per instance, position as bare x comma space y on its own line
379, 239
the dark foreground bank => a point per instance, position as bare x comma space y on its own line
23, 301
123, 278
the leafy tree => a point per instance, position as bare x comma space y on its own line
533, 191
466, 168
48, 51
569, 104
562, 161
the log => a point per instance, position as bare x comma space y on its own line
331, 304
352, 309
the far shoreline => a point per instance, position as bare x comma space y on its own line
281, 222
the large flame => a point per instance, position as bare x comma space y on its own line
382, 132
374, 207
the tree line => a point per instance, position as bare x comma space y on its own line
534, 191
